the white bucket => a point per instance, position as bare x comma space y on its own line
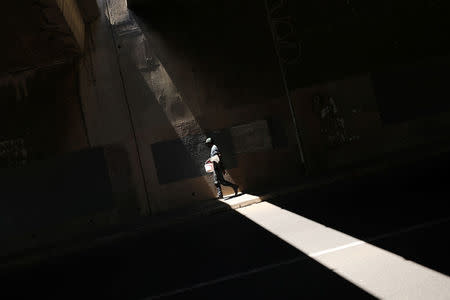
209, 167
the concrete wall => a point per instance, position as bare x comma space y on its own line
74, 19
162, 76
152, 84
107, 113
147, 84
357, 131
45, 114
386, 74
55, 200
355, 107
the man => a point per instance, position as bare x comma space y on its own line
219, 169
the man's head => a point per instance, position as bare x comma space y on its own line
209, 142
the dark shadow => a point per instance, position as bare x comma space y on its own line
222, 61
176, 158
48, 118
379, 207
232, 196
185, 157
225, 49
202, 94
176, 257
220, 245
340, 39
45, 194
400, 90
121, 176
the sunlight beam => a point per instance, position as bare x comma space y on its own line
377, 271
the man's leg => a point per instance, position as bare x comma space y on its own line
219, 191
222, 181
217, 184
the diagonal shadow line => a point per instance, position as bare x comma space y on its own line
227, 278
294, 260
406, 230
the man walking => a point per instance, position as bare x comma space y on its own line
219, 169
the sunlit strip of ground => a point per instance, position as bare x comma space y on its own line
375, 270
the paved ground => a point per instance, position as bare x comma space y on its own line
352, 239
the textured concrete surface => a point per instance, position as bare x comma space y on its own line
89, 10
143, 81
219, 71
356, 238
200, 209
345, 39
74, 18
376, 271
106, 112
185, 157
37, 34
51, 197
172, 92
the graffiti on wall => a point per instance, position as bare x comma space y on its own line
285, 36
13, 153
332, 123
18, 81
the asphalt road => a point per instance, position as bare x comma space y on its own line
402, 212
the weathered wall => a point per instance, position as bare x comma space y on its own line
355, 130
155, 82
400, 99
353, 122
37, 33
55, 200
167, 88
346, 38
74, 18
51, 189
45, 114
174, 73
53, 107
107, 114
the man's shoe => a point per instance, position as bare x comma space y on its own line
236, 190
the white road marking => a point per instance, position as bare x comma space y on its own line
377, 271
374, 270
319, 253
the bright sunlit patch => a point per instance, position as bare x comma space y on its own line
241, 200
136, 41
316, 254
377, 271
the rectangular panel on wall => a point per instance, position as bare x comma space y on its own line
185, 157
251, 137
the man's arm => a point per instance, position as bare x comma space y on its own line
218, 158
215, 158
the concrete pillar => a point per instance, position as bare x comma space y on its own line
74, 19
107, 114
157, 108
